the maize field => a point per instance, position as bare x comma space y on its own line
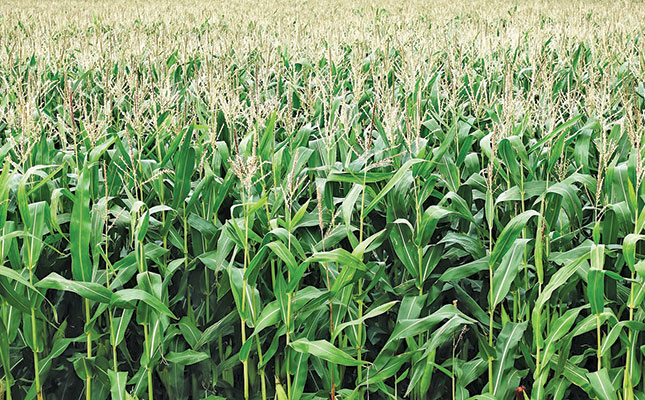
362, 199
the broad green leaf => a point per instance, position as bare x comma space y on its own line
596, 290
325, 350
15, 276
601, 384
349, 203
509, 234
88, 290
412, 327
186, 357
285, 255
184, 162
406, 251
79, 230
505, 274
390, 184
506, 344
339, 256
370, 314
629, 249
117, 384
560, 278
124, 298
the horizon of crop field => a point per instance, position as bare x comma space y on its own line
322, 200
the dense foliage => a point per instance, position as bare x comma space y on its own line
309, 201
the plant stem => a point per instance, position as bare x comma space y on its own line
39, 392
143, 268
359, 300
245, 363
598, 341
106, 240
7, 368
491, 308
34, 336
148, 357
262, 376
287, 206
627, 381
88, 392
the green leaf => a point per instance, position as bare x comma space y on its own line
366, 244
142, 227
509, 234
117, 384
391, 183
326, 351
15, 276
120, 325
80, 230
411, 307
370, 314
84, 368
411, 327
186, 357
189, 331
279, 390
596, 290
601, 384
506, 343
558, 279
349, 203
87, 290
629, 249
124, 298
339, 256
220, 327
269, 316
507, 271
490, 208
558, 330
406, 251
184, 162
284, 254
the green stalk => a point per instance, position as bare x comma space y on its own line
262, 376
286, 361
332, 365
142, 268
88, 388
7, 387
491, 308
288, 339
34, 337
540, 274
417, 209
207, 293
185, 220
598, 342
526, 255
452, 377
113, 340
148, 369
245, 363
39, 392
359, 301
418, 223
257, 342
107, 272
628, 390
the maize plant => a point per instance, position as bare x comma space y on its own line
322, 200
